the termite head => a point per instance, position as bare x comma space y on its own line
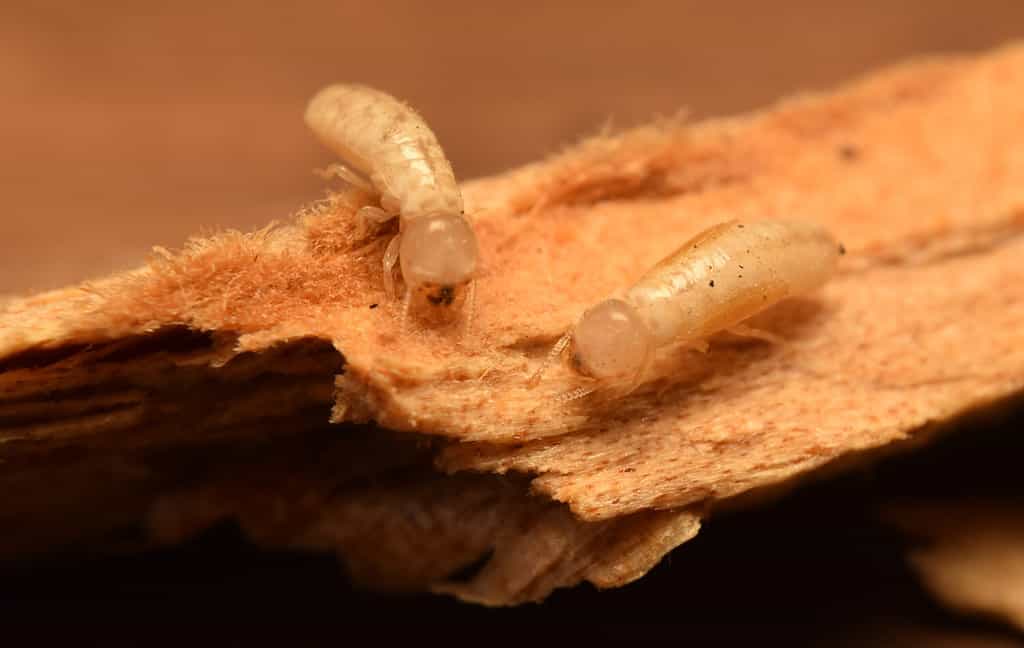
610, 342
439, 257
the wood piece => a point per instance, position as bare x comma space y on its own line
400, 526
919, 170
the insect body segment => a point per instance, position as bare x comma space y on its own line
388, 148
713, 282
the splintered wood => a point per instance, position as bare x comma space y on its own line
201, 386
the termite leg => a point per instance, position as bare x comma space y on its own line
369, 218
748, 331
349, 175
375, 215
471, 307
390, 259
388, 200
552, 356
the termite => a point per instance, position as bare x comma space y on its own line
712, 283
387, 149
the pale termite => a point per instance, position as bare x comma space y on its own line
713, 282
388, 149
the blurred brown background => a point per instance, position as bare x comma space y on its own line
127, 125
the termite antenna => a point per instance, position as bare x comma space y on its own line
575, 394
389, 262
406, 303
553, 355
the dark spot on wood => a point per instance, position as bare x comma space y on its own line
842, 249
372, 306
740, 226
712, 283
848, 153
628, 470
